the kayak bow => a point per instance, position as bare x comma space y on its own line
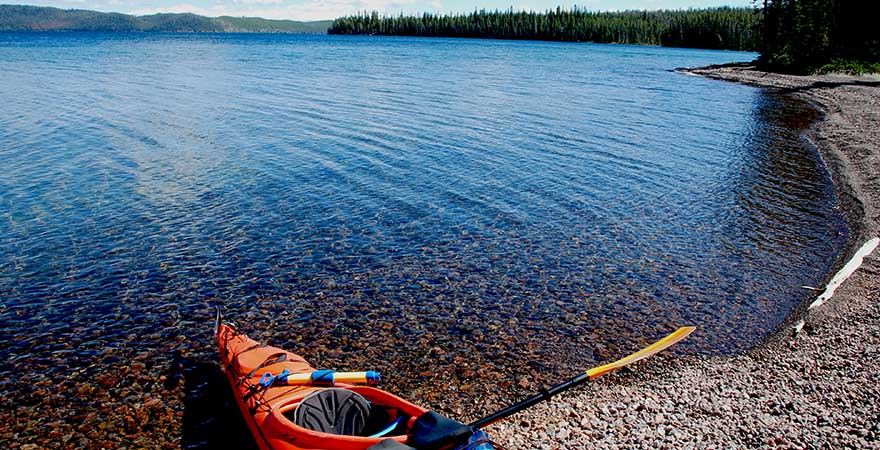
288, 405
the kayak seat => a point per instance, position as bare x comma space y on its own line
334, 411
345, 412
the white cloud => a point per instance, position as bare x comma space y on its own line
180, 8
302, 10
258, 2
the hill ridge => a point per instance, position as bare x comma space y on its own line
47, 18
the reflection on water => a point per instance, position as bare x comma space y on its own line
458, 214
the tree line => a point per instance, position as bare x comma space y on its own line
714, 28
805, 35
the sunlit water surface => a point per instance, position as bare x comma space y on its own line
461, 215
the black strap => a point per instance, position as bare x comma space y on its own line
233, 359
274, 358
252, 347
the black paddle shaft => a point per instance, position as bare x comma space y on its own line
545, 395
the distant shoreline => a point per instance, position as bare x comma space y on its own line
719, 28
25, 18
798, 389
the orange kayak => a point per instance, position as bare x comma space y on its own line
289, 405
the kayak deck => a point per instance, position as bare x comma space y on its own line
268, 409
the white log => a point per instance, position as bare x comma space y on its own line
845, 272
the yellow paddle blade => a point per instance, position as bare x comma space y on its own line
646, 352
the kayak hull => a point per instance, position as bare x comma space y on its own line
246, 361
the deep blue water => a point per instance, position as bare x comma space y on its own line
418, 204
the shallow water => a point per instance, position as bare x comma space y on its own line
462, 215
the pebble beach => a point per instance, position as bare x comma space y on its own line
812, 384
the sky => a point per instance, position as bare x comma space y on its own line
329, 9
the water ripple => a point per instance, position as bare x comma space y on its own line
530, 207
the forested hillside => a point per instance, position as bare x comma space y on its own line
805, 35
35, 18
256, 24
715, 28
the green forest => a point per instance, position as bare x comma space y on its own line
714, 28
37, 18
824, 35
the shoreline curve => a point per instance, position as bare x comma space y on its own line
813, 383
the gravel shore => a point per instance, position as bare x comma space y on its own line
818, 388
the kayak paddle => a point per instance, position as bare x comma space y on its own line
589, 375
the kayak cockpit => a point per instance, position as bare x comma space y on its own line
365, 417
